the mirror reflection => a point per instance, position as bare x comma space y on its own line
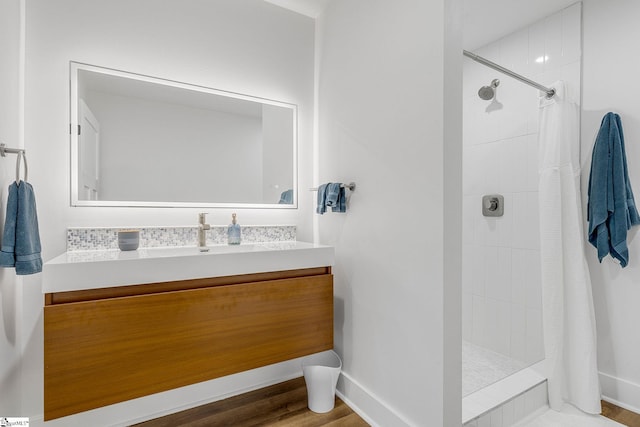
144, 141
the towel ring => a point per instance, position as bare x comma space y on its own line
21, 156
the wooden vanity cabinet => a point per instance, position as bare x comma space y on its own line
104, 346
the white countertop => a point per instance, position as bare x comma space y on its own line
80, 270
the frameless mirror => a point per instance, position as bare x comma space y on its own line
144, 141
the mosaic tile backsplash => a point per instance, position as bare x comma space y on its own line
86, 239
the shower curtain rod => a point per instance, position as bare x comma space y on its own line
550, 92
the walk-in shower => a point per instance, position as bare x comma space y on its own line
501, 272
500, 261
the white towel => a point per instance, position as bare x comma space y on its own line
567, 301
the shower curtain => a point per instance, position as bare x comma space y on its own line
567, 302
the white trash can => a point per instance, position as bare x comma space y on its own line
321, 372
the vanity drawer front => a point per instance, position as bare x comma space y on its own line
106, 351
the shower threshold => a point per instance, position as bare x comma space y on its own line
490, 379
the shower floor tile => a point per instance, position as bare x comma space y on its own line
482, 367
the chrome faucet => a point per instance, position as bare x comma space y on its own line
202, 232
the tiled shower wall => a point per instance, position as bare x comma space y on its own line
501, 256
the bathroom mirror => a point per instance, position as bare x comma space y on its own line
144, 141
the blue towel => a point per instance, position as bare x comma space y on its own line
611, 209
333, 194
7, 254
21, 238
286, 198
340, 204
322, 199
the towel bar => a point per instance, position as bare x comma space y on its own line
350, 186
4, 150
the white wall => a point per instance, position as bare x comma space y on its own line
382, 125
610, 83
242, 46
10, 288
225, 44
501, 255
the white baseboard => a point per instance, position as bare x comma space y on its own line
369, 406
620, 392
36, 421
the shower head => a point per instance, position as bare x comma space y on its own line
488, 92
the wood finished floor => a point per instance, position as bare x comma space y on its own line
282, 405
620, 415
285, 405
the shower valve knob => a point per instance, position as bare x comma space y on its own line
493, 205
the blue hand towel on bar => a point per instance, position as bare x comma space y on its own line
342, 202
333, 194
611, 209
21, 238
322, 199
8, 252
336, 198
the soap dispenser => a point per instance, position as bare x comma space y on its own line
234, 235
